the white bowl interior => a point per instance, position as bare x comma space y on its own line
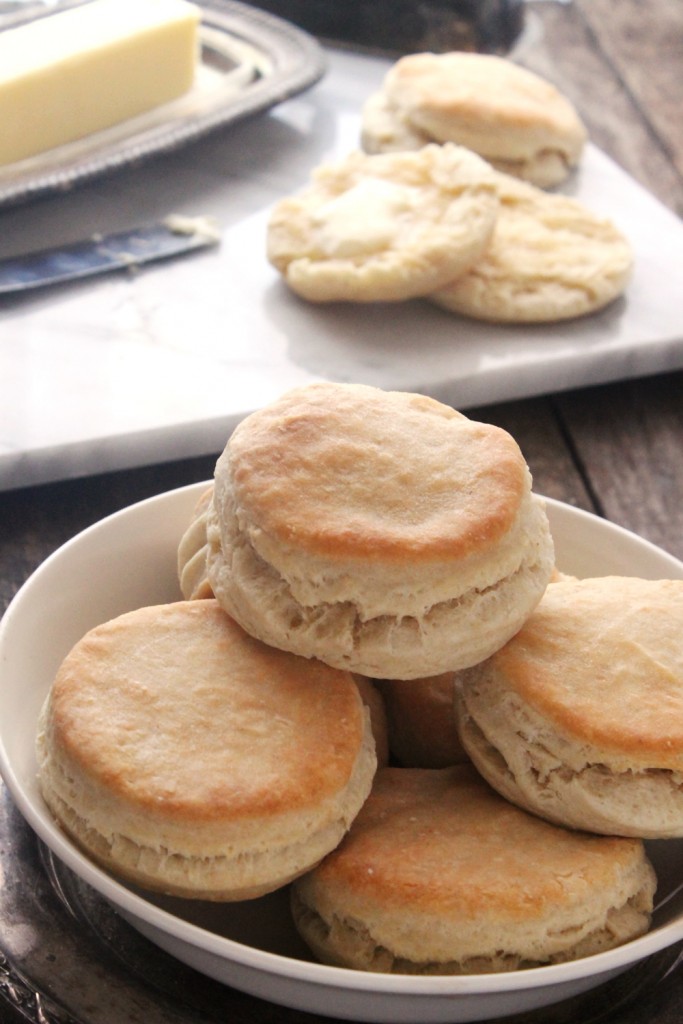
129, 560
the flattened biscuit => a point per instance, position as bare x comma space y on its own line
550, 258
579, 718
440, 875
384, 228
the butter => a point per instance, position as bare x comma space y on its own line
73, 73
363, 219
205, 227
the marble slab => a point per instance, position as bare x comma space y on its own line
158, 364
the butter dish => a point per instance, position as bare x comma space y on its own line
249, 62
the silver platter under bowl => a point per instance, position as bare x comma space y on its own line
67, 957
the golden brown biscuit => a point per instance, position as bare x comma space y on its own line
440, 875
421, 724
386, 227
187, 757
379, 531
579, 718
194, 584
550, 258
512, 117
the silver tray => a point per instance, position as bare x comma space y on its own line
67, 957
250, 61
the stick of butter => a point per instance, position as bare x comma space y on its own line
69, 74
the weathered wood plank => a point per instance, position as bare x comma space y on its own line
647, 53
567, 50
34, 521
629, 438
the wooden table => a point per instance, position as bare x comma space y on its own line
616, 450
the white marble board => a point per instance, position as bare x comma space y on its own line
140, 367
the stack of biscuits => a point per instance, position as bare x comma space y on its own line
512, 117
446, 200
377, 690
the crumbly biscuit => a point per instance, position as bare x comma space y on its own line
187, 757
383, 130
579, 718
384, 228
422, 730
440, 875
192, 578
550, 258
379, 531
512, 117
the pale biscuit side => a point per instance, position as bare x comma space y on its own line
564, 781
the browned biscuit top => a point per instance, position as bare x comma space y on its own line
349, 471
509, 108
444, 842
173, 710
602, 659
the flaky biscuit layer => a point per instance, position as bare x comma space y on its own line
440, 875
579, 718
191, 554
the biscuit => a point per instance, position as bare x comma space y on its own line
379, 531
550, 258
579, 718
186, 757
384, 228
374, 701
421, 726
440, 875
513, 118
383, 130
192, 578
195, 586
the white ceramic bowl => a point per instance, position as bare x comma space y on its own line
128, 560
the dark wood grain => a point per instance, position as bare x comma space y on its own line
34, 521
576, 48
628, 439
647, 55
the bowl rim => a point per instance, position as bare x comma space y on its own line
310, 972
